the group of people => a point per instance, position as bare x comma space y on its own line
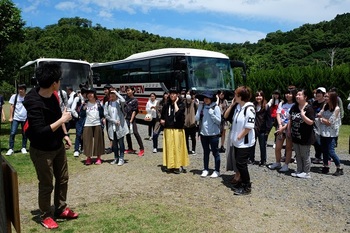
300, 122
304, 120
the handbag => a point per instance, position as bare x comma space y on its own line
148, 117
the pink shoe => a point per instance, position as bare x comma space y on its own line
141, 153
98, 161
88, 161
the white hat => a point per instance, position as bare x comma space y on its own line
321, 89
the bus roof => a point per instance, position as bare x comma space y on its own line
168, 52
54, 60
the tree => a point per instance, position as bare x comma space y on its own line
11, 28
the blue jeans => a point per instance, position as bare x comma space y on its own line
328, 149
14, 127
118, 147
211, 143
79, 127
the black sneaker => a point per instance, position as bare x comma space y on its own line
339, 172
108, 150
325, 170
222, 149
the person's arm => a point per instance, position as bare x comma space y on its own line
12, 108
304, 116
215, 115
120, 98
66, 116
3, 115
66, 137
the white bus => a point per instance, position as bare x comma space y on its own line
159, 70
74, 72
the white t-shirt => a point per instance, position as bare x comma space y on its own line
283, 109
240, 122
149, 108
92, 115
20, 112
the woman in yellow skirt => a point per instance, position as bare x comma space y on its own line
175, 154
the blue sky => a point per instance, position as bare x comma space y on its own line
227, 21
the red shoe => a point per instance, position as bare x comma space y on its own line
68, 214
141, 153
88, 161
49, 223
98, 162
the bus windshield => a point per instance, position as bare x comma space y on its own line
209, 73
74, 72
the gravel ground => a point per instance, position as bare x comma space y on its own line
278, 203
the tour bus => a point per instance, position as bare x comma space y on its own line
74, 72
158, 70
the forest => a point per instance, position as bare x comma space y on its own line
309, 56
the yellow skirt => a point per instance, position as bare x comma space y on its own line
175, 152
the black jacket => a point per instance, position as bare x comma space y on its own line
41, 113
173, 120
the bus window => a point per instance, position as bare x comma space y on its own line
139, 71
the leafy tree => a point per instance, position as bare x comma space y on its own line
11, 29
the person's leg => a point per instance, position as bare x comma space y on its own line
115, 147
60, 170
43, 163
242, 155
331, 151
187, 135
262, 144
298, 157
24, 137
289, 150
206, 150
193, 138
305, 156
214, 145
14, 127
78, 135
121, 147
137, 135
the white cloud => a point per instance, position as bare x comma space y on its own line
301, 11
64, 6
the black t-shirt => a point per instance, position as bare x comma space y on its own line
302, 133
317, 107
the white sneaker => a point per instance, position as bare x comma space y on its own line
76, 154
24, 150
274, 166
204, 173
114, 162
155, 150
9, 152
215, 174
304, 175
284, 168
121, 162
295, 174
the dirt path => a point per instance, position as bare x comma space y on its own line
278, 203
